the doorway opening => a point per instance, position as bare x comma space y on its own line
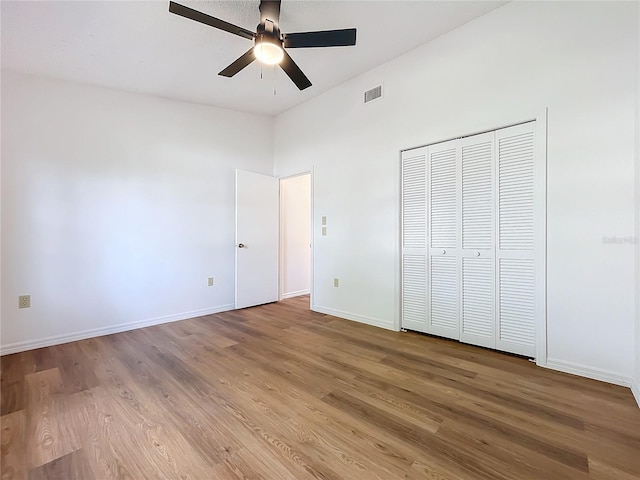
295, 237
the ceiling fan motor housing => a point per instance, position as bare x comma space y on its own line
269, 47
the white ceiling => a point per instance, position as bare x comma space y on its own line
139, 46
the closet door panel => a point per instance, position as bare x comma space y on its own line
517, 297
414, 199
516, 190
478, 313
414, 240
477, 193
443, 284
443, 196
414, 292
516, 304
477, 240
444, 239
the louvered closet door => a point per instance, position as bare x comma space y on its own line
443, 193
414, 240
517, 296
477, 316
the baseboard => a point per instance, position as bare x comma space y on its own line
376, 322
98, 332
588, 372
295, 294
635, 389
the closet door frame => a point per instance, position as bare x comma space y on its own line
540, 223
540, 233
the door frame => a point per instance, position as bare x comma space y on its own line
280, 233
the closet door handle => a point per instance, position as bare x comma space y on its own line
444, 252
477, 254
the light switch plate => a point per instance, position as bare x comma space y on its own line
324, 231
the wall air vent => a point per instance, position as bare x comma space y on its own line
373, 94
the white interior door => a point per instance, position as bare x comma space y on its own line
257, 202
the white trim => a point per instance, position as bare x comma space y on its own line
98, 332
295, 294
588, 372
313, 243
514, 122
235, 242
376, 322
540, 169
397, 248
635, 389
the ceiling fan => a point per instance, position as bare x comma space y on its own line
269, 43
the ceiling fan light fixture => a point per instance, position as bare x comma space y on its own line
269, 43
268, 52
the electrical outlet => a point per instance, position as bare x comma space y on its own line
24, 301
210, 281
336, 282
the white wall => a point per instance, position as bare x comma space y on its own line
580, 60
116, 207
295, 235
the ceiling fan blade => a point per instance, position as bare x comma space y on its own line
239, 64
270, 10
294, 72
327, 38
197, 16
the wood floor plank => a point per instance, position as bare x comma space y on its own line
280, 392
76, 372
495, 457
601, 470
73, 466
13, 444
49, 435
107, 440
13, 368
12, 397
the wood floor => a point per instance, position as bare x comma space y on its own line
279, 392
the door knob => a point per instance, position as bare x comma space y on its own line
477, 254
241, 245
444, 252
